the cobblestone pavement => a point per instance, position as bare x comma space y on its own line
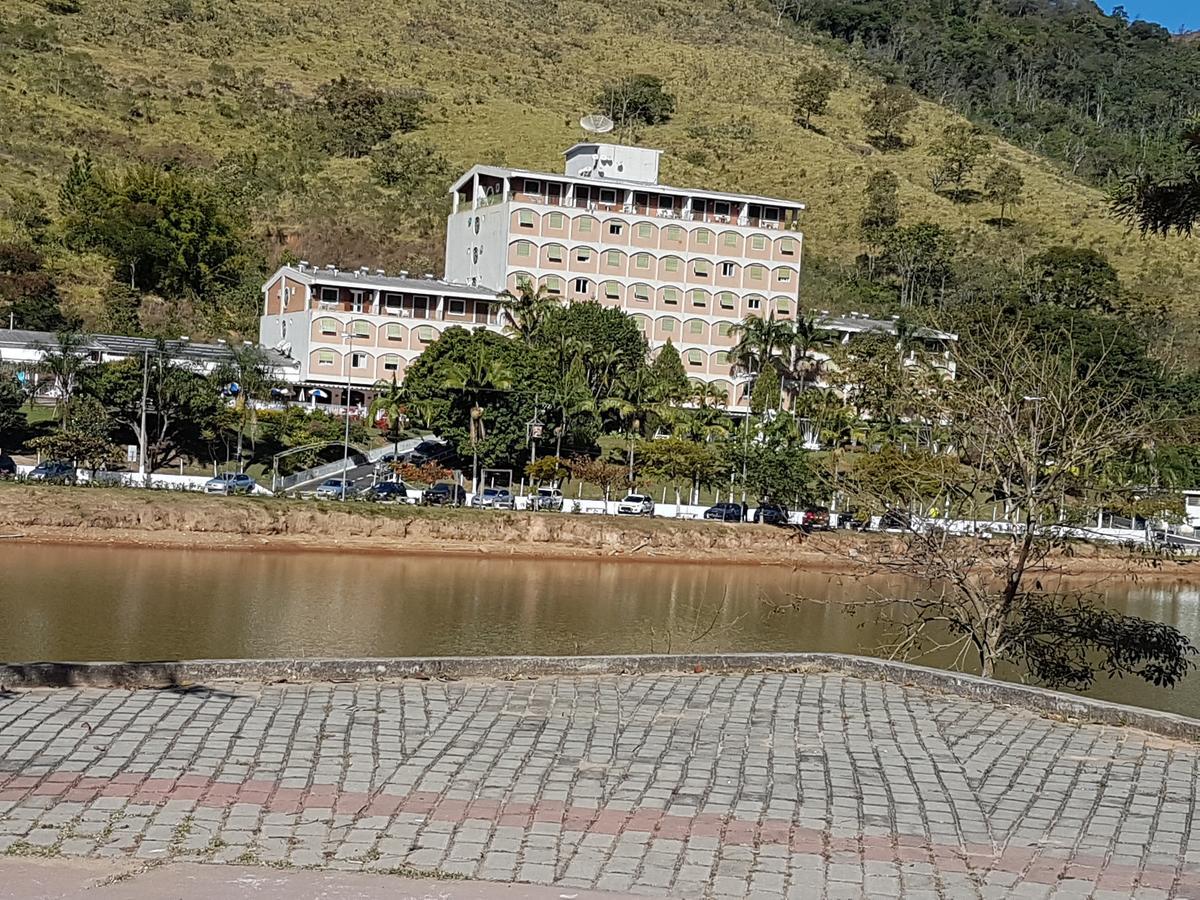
762, 785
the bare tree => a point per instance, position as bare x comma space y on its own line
1037, 426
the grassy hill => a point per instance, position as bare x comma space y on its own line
205, 82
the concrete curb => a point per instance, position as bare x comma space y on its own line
187, 674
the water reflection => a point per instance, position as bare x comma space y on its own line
105, 603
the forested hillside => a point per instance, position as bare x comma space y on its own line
159, 156
1101, 93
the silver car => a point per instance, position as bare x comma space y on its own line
230, 483
334, 489
494, 498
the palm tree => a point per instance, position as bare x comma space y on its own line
391, 400
64, 363
526, 309
636, 397
480, 374
808, 336
760, 342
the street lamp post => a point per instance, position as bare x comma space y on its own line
348, 339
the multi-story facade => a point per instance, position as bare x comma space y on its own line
348, 330
686, 264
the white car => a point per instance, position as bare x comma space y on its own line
230, 483
636, 505
548, 499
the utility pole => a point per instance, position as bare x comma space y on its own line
143, 436
349, 338
535, 429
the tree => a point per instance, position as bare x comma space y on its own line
411, 167
766, 393
1004, 186
390, 400
676, 460
548, 468
811, 89
180, 405
27, 290
247, 378
12, 419
1074, 278
882, 209
476, 378
526, 308
1161, 204
671, 383
353, 115
958, 152
84, 439
761, 342
808, 337
605, 475
637, 396
919, 256
888, 112
635, 101
1038, 427
64, 363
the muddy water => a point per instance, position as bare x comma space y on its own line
78, 603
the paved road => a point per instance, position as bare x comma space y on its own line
821, 786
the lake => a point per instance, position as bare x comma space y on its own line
102, 603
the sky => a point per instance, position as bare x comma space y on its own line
1169, 13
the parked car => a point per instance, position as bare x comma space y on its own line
493, 498
550, 499
8, 468
444, 494
725, 512
387, 492
334, 489
772, 514
815, 518
229, 483
636, 505
427, 451
895, 520
852, 521
53, 472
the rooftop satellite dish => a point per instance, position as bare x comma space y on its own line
596, 124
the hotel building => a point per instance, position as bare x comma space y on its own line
687, 265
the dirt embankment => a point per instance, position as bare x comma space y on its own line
163, 519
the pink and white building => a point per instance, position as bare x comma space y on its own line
688, 265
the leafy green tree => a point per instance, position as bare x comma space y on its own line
64, 363
353, 115
390, 400
613, 340
636, 398
477, 377
766, 393
84, 439
248, 368
168, 232
761, 342
671, 382
919, 257
881, 212
411, 167
635, 101
958, 152
887, 115
526, 308
605, 475
1074, 278
679, 460
27, 290
121, 305
180, 405
12, 418
547, 469
811, 89
809, 337
1004, 187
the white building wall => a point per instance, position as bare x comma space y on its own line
477, 245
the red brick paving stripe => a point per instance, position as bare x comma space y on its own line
1041, 866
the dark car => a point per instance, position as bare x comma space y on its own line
772, 514
427, 451
725, 512
8, 468
54, 472
387, 492
896, 520
444, 494
816, 518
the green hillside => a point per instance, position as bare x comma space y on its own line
217, 84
